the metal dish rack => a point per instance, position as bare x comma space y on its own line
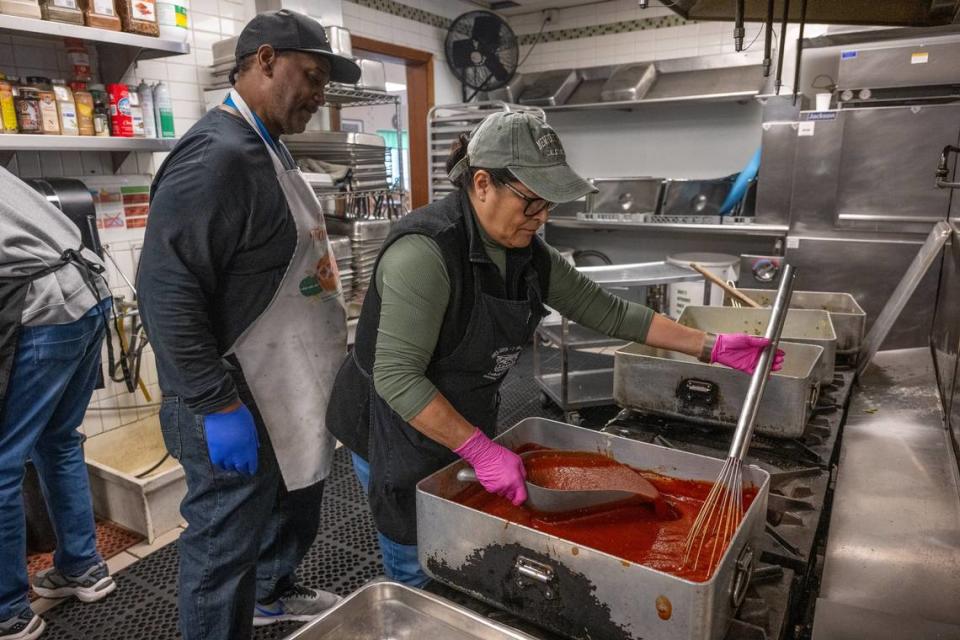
569, 388
445, 122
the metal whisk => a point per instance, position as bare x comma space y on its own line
722, 512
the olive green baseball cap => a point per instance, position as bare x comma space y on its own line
530, 149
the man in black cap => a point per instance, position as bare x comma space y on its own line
241, 300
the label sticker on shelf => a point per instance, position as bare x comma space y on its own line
806, 128
793, 242
919, 57
847, 55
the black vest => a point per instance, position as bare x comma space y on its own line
450, 223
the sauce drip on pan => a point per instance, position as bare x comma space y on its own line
633, 530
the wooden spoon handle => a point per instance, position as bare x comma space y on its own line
736, 293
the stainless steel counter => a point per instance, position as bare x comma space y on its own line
893, 551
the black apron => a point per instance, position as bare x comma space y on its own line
470, 378
13, 296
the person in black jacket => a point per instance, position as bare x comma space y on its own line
241, 301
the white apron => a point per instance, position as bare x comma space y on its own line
290, 354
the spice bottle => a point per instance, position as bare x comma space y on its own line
84, 100
27, 102
101, 14
79, 59
49, 114
69, 125
8, 110
139, 16
121, 122
101, 110
136, 111
61, 11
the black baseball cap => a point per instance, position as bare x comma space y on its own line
286, 30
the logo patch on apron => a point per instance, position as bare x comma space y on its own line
503, 360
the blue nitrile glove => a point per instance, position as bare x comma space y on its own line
232, 440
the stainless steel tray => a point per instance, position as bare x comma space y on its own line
848, 317
383, 610
641, 274
573, 590
625, 195
805, 326
549, 88
629, 82
372, 230
673, 384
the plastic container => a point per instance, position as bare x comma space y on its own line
149, 116
27, 102
681, 294
85, 105
61, 11
22, 8
101, 110
163, 108
139, 16
79, 59
8, 108
172, 18
121, 122
69, 123
823, 101
101, 14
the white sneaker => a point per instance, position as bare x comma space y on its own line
26, 626
90, 586
299, 603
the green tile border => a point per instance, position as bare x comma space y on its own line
406, 11
401, 10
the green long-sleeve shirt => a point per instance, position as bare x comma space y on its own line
414, 288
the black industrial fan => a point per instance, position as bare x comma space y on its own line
482, 52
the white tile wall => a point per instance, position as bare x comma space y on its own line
389, 28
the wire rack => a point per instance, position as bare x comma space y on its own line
446, 122
340, 95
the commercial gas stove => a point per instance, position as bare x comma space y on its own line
783, 588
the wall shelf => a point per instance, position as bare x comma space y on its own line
119, 148
755, 229
116, 50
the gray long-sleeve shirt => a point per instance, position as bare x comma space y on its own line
33, 236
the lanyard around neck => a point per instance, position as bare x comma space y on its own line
257, 121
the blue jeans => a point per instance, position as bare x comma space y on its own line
54, 372
400, 561
246, 534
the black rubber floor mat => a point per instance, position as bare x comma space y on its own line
344, 557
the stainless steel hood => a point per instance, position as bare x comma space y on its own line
715, 78
893, 13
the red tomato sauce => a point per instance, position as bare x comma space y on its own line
635, 531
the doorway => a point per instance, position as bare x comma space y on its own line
416, 93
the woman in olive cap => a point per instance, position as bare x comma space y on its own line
459, 288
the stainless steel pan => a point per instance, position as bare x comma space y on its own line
804, 326
673, 384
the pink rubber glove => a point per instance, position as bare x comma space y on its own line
741, 351
498, 469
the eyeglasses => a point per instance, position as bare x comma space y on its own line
534, 206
